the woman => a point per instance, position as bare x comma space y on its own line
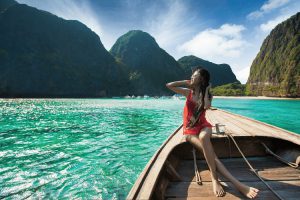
198, 130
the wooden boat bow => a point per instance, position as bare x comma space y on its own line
164, 170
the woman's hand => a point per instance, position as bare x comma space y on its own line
188, 83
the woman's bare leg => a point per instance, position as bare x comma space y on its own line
250, 192
198, 143
246, 190
209, 154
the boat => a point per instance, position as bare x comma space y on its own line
256, 153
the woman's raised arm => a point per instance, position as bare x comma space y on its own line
174, 86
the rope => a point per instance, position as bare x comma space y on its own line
291, 164
228, 134
197, 175
251, 168
294, 165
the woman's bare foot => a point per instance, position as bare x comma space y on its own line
249, 192
217, 188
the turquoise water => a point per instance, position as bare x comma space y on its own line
281, 113
96, 148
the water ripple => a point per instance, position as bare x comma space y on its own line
93, 148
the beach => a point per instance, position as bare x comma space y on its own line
256, 97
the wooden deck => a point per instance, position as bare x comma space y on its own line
239, 125
154, 181
283, 179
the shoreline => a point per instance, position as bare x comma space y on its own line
254, 97
151, 97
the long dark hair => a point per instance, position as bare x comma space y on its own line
199, 108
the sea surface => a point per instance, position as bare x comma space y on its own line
96, 148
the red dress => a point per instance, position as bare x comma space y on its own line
188, 112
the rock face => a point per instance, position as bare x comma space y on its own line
150, 66
276, 69
220, 73
4, 4
42, 55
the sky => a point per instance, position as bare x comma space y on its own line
220, 31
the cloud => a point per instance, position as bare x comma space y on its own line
268, 26
273, 4
166, 20
170, 23
175, 25
70, 10
243, 74
225, 44
267, 7
281, 15
211, 44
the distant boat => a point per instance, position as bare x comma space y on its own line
170, 173
175, 96
178, 96
146, 96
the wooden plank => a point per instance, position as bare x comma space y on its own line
287, 189
247, 125
260, 128
241, 173
135, 190
232, 127
210, 117
260, 161
224, 147
148, 185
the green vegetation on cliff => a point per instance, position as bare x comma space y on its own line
151, 67
276, 69
5, 4
230, 89
42, 55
